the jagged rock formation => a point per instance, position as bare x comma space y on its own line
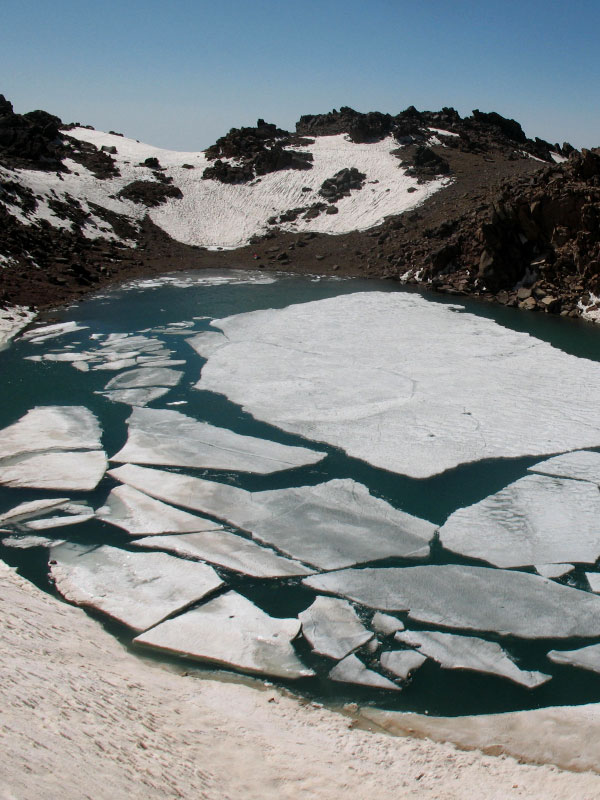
254, 151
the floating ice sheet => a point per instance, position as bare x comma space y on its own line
60, 471
169, 438
332, 628
145, 376
230, 551
471, 598
468, 652
51, 428
583, 465
402, 663
137, 589
536, 520
141, 515
352, 670
584, 657
404, 383
232, 632
332, 525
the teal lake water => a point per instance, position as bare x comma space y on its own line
190, 299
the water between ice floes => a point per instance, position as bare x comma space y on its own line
173, 309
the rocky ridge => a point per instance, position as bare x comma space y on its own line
516, 223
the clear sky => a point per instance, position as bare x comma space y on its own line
180, 73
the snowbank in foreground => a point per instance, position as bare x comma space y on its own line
89, 719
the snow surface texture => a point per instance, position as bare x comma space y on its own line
332, 525
213, 214
137, 589
490, 600
169, 438
536, 520
406, 384
233, 632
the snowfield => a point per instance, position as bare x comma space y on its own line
216, 215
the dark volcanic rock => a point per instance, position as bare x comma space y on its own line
425, 164
150, 193
342, 183
31, 139
256, 151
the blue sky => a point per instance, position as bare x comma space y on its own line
179, 73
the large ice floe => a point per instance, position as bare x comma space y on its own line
230, 551
232, 632
329, 526
406, 384
536, 520
52, 447
468, 652
137, 589
169, 438
471, 598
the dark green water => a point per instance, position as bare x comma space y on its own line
27, 384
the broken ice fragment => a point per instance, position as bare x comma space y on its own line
145, 376
139, 514
585, 657
593, 578
402, 663
502, 601
137, 589
332, 628
136, 397
232, 632
352, 670
553, 570
582, 465
331, 525
229, 551
169, 438
386, 624
207, 342
51, 428
468, 652
536, 520
79, 471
